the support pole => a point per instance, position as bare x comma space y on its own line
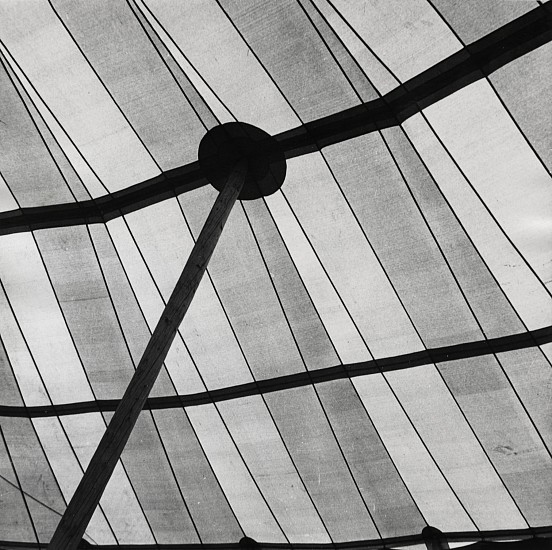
75, 520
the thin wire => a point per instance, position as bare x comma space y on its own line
18, 486
25, 494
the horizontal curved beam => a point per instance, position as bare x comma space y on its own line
539, 536
399, 362
460, 69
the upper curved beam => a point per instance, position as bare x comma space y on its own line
471, 63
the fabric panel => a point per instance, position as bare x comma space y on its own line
390, 505
256, 316
314, 344
114, 42
496, 159
294, 55
263, 450
217, 51
473, 20
48, 56
525, 86
505, 431
345, 253
526, 293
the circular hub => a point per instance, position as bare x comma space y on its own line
224, 146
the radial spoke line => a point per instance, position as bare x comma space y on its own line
78, 206
104, 86
152, 15
13, 77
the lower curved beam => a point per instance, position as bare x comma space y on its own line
433, 355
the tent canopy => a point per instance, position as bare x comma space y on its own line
370, 351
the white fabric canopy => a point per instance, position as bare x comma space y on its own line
370, 351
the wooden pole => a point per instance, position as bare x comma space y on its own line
75, 520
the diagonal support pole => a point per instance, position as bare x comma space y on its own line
75, 520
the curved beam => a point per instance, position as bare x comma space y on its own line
535, 535
435, 355
460, 69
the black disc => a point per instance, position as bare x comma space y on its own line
224, 146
